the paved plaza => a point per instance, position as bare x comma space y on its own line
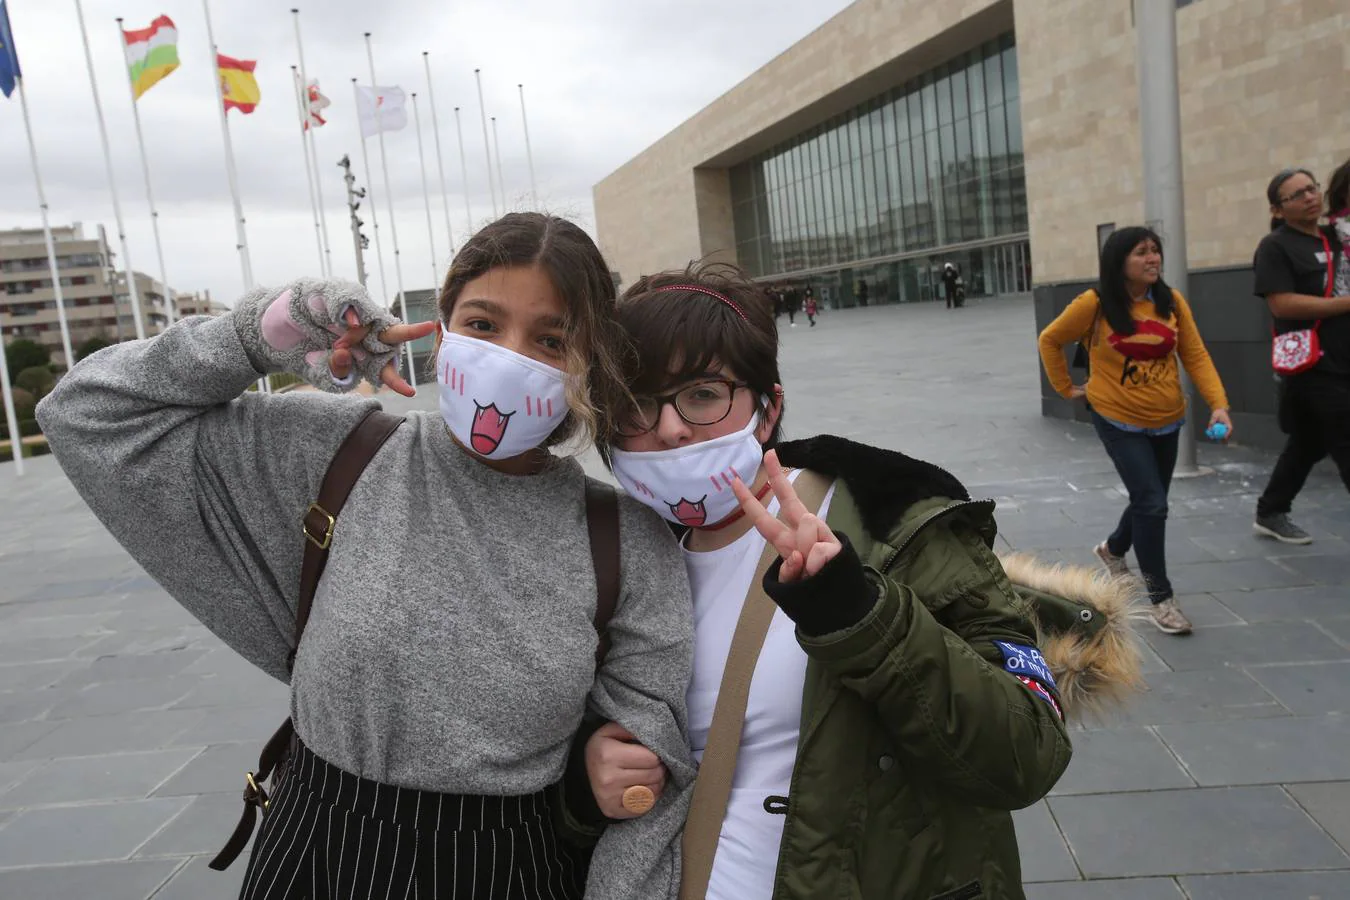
125, 727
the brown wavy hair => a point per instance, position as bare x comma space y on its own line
678, 335
594, 346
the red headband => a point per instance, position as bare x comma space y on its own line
699, 289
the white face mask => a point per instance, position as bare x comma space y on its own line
691, 485
497, 403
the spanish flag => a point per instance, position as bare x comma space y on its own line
237, 84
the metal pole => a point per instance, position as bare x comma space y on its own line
11, 417
1155, 31
47, 235
487, 147
464, 176
426, 194
241, 237
374, 214
170, 312
302, 107
529, 154
112, 183
308, 135
497, 152
354, 197
393, 225
440, 158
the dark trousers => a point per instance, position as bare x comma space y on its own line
1315, 413
329, 834
1145, 463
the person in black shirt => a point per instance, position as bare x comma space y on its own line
1299, 268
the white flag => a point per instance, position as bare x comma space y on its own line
381, 109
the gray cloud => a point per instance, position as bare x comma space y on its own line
603, 79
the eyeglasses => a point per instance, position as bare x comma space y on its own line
702, 403
1311, 190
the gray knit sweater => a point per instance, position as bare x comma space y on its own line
451, 645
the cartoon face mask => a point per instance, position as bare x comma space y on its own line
691, 485
497, 402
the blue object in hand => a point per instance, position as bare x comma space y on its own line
1217, 432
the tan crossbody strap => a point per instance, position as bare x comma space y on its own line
712, 789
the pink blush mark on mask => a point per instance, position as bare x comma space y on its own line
452, 378
279, 330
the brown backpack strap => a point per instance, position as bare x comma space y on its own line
602, 527
350, 460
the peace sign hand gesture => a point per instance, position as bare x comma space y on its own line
347, 353
802, 539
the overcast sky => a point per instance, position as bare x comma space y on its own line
603, 80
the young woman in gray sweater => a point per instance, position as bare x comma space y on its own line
450, 654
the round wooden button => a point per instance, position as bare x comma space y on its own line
638, 799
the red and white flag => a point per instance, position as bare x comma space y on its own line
315, 104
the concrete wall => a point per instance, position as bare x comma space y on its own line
1236, 328
1263, 86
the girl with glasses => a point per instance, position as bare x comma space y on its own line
900, 704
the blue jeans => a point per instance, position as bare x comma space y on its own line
1145, 463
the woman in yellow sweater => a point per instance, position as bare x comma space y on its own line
1135, 327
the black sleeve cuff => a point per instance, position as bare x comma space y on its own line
576, 786
836, 598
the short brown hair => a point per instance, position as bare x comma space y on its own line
594, 345
679, 334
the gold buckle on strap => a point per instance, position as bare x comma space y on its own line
253, 792
326, 538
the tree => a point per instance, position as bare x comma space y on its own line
91, 346
25, 354
36, 380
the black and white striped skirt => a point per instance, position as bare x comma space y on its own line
330, 834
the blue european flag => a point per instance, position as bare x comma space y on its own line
9, 57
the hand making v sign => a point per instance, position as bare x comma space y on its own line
801, 538
344, 348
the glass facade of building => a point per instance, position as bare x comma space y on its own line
927, 173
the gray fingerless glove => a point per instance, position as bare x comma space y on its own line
293, 330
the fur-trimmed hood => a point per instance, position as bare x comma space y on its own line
1084, 617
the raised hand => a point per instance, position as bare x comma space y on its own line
341, 361
802, 539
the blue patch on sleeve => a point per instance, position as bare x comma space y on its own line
1026, 660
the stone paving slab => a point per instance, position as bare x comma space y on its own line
1231, 764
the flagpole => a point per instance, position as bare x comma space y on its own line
497, 151
11, 416
487, 148
170, 312
440, 158
301, 105
47, 232
112, 184
308, 135
529, 155
426, 193
464, 176
370, 187
241, 235
393, 226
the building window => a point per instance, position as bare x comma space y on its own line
933, 162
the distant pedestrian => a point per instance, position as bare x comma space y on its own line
1135, 328
810, 307
778, 304
862, 292
1302, 271
951, 281
793, 300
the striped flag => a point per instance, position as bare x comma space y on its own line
152, 54
237, 83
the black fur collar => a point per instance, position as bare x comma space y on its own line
884, 483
